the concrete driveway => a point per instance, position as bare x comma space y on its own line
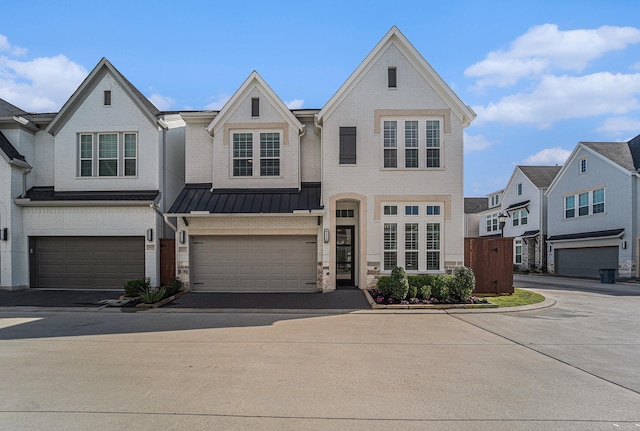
572, 366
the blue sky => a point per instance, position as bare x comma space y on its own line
541, 75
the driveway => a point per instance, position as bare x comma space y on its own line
572, 366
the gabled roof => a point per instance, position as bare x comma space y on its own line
254, 80
540, 176
9, 110
8, 149
617, 152
102, 68
475, 205
395, 37
200, 197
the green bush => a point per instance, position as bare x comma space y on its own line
413, 291
134, 288
424, 292
153, 294
440, 287
462, 284
399, 285
384, 285
174, 286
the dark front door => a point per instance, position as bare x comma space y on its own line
345, 259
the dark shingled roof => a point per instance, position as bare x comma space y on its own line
585, 235
49, 194
199, 197
9, 149
541, 176
634, 147
9, 110
617, 152
475, 205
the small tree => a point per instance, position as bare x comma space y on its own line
462, 284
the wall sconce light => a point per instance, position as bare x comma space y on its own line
326, 236
181, 236
624, 245
4, 234
149, 234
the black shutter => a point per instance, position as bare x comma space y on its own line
255, 107
347, 145
392, 77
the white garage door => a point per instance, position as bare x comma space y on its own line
284, 263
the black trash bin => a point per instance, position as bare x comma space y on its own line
608, 275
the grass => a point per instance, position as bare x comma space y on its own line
519, 297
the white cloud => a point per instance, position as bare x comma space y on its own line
545, 48
163, 103
548, 157
5, 46
619, 125
217, 102
475, 143
635, 66
41, 84
295, 104
563, 97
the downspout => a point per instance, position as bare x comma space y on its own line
317, 124
26, 169
301, 133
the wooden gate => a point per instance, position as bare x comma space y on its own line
491, 260
167, 261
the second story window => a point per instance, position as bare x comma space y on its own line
392, 74
390, 144
113, 154
588, 203
421, 141
433, 143
347, 145
249, 146
107, 98
519, 189
492, 222
255, 107
411, 144
520, 217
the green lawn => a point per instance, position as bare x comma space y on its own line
519, 297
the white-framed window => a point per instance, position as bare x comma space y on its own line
390, 144
588, 203
519, 189
344, 213
583, 166
517, 251
492, 222
421, 231
247, 144
433, 247
420, 148
390, 246
520, 217
411, 254
107, 154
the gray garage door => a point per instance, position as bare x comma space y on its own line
86, 262
284, 263
585, 262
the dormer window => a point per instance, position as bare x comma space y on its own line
255, 106
392, 77
107, 97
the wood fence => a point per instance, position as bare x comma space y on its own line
491, 260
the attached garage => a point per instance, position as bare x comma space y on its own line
585, 262
86, 262
257, 263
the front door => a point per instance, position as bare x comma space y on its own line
345, 259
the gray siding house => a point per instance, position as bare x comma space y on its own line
593, 207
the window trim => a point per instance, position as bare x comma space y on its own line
94, 159
407, 147
519, 189
589, 207
582, 165
392, 77
254, 156
255, 107
517, 245
106, 100
348, 146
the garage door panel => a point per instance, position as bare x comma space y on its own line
87, 262
254, 263
585, 262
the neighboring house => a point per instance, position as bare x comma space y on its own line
488, 218
83, 190
307, 200
524, 204
593, 211
473, 207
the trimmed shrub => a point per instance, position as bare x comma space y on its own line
413, 291
174, 286
134, 288
462, 284
424, 292
384, 285
399, 285
440, 287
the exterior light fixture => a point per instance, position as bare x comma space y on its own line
326, 236
149, 234
4, 234
502, 220
181, 236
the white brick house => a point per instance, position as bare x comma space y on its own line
307, 200
87, 213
